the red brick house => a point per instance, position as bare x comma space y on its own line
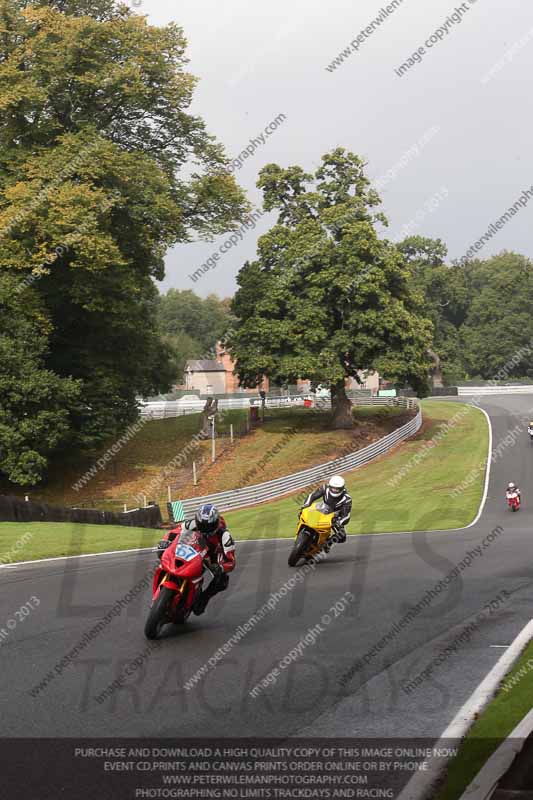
216, 376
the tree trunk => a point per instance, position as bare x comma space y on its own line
208, 414
436, 371
342, 407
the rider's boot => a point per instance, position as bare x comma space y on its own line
200, 604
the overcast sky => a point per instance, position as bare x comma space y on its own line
472, 127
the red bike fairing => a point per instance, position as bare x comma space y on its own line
513, 500
220, 543
181, 574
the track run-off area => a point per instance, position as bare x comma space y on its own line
344, 656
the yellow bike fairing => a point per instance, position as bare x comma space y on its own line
318, 517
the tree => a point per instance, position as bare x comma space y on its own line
498, 331
182, 347
205, 321
327, 297
481, 310
102, 169
191, 326
36, 406
446, 301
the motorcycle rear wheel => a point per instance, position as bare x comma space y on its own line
300, 546
158, 612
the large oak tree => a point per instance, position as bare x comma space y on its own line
327, 296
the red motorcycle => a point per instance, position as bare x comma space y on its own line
177, 582
513, 501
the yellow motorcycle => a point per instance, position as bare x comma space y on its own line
313, 530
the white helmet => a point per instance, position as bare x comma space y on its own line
336, 485
511, 487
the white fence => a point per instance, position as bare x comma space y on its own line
518, 389
163, 409
308, 478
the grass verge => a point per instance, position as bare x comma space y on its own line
495, 724
407, 490
162, 451
291, 440
137, 468
28, 541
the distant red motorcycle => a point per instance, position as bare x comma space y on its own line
177, 582
513, 501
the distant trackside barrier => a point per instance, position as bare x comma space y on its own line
14, 509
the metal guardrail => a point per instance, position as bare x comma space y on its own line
270, 490
407, 402
466, 390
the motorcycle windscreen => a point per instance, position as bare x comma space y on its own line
192, 538
319, 517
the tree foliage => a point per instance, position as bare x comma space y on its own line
446, 299
481, 311
497, 335
191, 326
102, 169
327, 296
37, 406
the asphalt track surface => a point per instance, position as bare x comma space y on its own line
387, 574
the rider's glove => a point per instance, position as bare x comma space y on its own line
339, 534
217, 570
163, 544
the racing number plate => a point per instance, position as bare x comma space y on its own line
186, 552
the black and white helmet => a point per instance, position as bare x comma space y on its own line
511, 487
207, 518
336, 486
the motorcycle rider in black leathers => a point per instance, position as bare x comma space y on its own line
337, 498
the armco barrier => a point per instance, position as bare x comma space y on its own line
270, 490
13, 509
384, 401
521, 389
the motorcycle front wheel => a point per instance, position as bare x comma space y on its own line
158, 613
300, 546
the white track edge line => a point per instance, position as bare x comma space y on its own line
134, 550
422, 783
487, 473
